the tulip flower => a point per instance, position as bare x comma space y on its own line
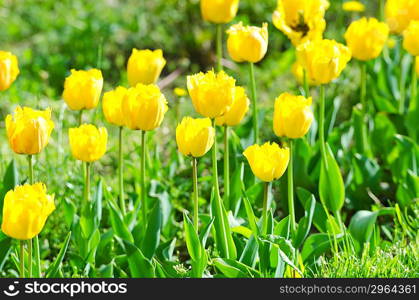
144, 107
353, 6
112, 109
212, 96
9, 69
268, 162
195, 137
323, 60
292, 119
87, 142
145, 66
301, 20
366, 39
212, 93
219, 11
29, 130
25, 211
249, 44
399, 13
82, 89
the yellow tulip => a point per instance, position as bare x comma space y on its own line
298, 72
212, 93
268, 162
399, 13
82, 89
301, 20
410, 38
144, 107
219, 11
353, 6
237, 110
112, 106
247, 43
292, 116
25, 211
9, 69
323, 60
87, 142
145, 66
366, 38
29, 130
195, 136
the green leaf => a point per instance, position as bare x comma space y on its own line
331, 187
5, 248
97, 204
223, 237
315, 245
234, 269
203, 236
118, 225
54, 267
319, 216
304, 224
139, 265
152, 236
192, 240
250, 252
250, 214
362, 226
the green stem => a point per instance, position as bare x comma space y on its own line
217, 197
364, 130
142, 177
305, 84
30, 163
219, 47
402, 88
87, 185
195, 194
321, 122
226, 169
29, 258
363, 87
121, 174
22, 259
265, 208
381, 10
414, 83
80, 117
254, 103
291, 190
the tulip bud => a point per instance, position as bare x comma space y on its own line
410, 38
301, 21
399, 13
247, 43
237, 110
219, 11
87, 142
292, 116
212, 93
323, 60
145, 66
82, 89
25, 211
195, 136
29, 130
268, 162
144, 107
366, 38
112, 106
9, 69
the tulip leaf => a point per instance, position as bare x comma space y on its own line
304, 224
331, 187
10, 180
120, 229
192, 240
362, 226
152, 235
250, 252
234, 269
54, 267
316, 244
5, 248
139, 265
